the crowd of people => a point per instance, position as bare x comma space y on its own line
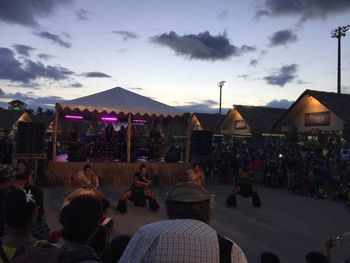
316, 171
87, 231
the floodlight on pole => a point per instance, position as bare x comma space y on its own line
220, 85
339, 33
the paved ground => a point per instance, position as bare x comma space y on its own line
286, 224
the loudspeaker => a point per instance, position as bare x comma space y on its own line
201, 142
30, 138
346, 132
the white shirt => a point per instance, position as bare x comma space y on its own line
177, 241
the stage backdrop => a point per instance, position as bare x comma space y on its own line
116, 174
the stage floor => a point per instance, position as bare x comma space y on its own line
112, 173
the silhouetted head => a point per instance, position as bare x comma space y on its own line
80, 219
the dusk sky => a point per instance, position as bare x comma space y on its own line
268, 51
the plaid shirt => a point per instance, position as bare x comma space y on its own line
177, 241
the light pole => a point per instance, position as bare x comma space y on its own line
220, 85
338, 33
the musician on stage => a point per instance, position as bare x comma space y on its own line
139, 192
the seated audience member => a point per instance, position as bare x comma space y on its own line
87, 182
17, 245
23, 176
5, 184
343, 240
107, 222
80, 221
186, 236
244, 187
117, 248
316, 257
139, 192
100, 242
268, 257
40, 229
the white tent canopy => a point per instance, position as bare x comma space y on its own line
120, 100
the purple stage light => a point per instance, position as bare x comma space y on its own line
74, 117
109, 119
139, 121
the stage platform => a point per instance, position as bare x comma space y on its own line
116, 173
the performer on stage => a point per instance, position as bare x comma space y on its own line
109, 132
139, 192
87, 183
244, 187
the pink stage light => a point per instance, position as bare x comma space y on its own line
74, 117
139, 121
111, 119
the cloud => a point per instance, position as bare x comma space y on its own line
202, 46
223, 15
243, 76
284, 75
204, 106
256, 61
23, 50
13, 69
253, 62
96, 74
284, 104
126, 34
33, 101
304, 9
54, 38
282, 37
45, 56
26, 12
74, 85
82, 14
136, 89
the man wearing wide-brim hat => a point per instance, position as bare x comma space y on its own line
187, 236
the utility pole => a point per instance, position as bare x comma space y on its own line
339, 33
220, 85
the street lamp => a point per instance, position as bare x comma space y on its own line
338, 33
220, 85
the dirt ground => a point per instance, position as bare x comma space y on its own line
286, 224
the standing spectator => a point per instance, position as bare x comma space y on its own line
187, 236
5, 185
291, 173
258, 169
344, 155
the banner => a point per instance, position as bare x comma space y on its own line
318, 119
240, 125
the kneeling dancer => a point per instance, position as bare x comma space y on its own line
139, 192
244, 187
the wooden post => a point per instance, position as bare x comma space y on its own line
128, 142
55, 129
188, 140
